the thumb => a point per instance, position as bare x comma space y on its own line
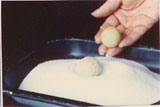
107, 8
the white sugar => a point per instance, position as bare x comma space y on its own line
122, 82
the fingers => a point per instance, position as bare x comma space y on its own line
114, 51
110, 52
102, 49
121, 29
97, 37
132, 36
131, 4
107, 8
110, 21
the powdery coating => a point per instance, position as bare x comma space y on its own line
88, 66
110, 37
121, 82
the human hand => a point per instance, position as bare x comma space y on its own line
131, 17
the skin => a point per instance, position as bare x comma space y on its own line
131, 17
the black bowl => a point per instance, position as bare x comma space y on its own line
15, 72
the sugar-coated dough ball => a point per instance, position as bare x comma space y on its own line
88, 66
110, 37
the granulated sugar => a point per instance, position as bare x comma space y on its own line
121, 82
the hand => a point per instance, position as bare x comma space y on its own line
131, 17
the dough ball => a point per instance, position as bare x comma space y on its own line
88, 66
110, 37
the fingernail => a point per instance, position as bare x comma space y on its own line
102, 52
97, 40
121, 45
101, 27
110, 53
108, 56
93, 13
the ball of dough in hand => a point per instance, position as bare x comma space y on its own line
88, 66
110, 37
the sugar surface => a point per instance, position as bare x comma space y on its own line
122, 82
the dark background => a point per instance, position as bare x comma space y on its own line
28, 25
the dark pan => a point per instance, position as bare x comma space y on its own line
64, 49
